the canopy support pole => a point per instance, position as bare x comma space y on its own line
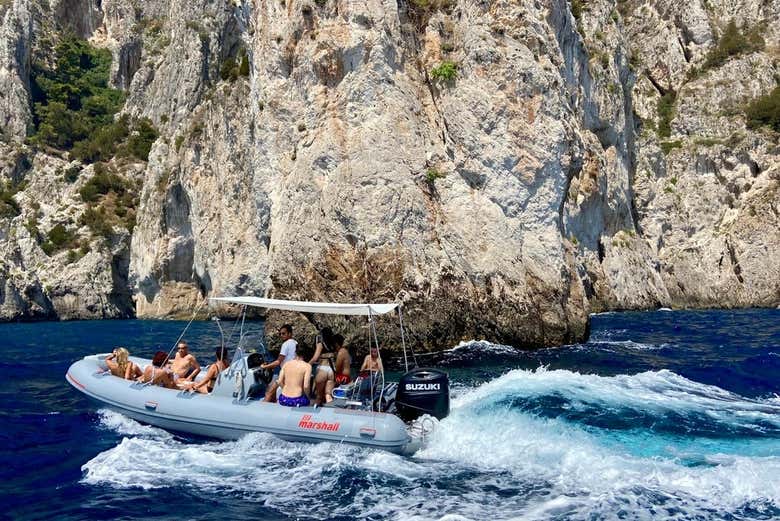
403, 340
379, 357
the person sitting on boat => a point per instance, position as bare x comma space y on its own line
372, 373
206, 384
295, 380
286, 354
184, 364
157, 374
119, 364
343, 362
371, 363
324, 377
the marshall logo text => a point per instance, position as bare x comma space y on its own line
306, 423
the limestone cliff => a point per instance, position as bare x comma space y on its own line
495, 165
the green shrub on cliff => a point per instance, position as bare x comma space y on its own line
9, 208
765, 111
143, 136
576, 9
431, 5
734, 42
445, 71
74, 107
243, 69
58, 239
229, 70
101, 144
668, 146
71, 97
232, 67
432, 174
102, 183
666, 113
97, 220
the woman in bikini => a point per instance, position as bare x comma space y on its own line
323, 378
119, 364
343, 362
206, 385
156, 373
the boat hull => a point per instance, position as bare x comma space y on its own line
227, 418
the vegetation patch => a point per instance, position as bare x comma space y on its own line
59, 238
666, 113
577, 6
765, 111
32, 227
111, 201
102, 183
432, 174
72, 173
9, 208
234, 67
72, 99
431, 5
445, 71
708, 142
74, 108
142, 137
734, 42
668, 146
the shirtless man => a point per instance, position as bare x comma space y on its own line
286, 354
184, 365
295, 380
372, 363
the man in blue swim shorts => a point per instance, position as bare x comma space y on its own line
295, 379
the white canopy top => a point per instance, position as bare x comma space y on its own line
310, 307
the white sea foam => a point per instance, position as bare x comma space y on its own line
480, 346
653, 392
606, 338
127, 427
486, 460
627, 344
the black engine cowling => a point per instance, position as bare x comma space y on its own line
423, 391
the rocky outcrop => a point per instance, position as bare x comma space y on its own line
16, 32
506, 201
709, 203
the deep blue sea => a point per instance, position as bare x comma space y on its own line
661, 415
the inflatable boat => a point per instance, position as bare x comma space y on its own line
393, 417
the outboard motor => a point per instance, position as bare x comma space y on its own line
423, 391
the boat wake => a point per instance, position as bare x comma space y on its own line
531, 444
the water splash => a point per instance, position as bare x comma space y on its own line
539, 462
